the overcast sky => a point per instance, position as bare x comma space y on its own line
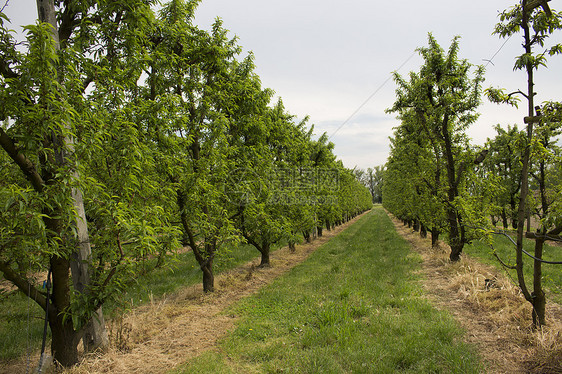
325, 58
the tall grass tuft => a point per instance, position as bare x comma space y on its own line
505, 249
21, 330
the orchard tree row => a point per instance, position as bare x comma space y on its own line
127, 132
437, 181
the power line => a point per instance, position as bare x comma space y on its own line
5, 5
371, 96
489, 61
515, 244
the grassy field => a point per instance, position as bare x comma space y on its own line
21, 329
552, 274
356, 305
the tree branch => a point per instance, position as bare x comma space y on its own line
67, 23
503, 263
252, 241
518, 92
26, 166
23, 284
5, 70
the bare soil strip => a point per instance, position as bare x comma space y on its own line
157, 337
490, 308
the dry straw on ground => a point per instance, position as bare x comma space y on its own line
167, 332
491, 309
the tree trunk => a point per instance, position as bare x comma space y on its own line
538, 296
513, 206
456, 233
504, 220
306, 236
416, 226
292, 247
455, 241
539, 310
208, 277
265, 251
319, 231
456, 250
434, 237
423, 231
95, 334
525, 163
64, 343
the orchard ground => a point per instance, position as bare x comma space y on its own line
242, 326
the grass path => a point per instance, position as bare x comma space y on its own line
157, 337
490, 307
368, 297
355, 306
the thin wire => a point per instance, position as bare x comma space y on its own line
28, 328
527, 253
514, 243
5, 5
489, 61
370, 97
552, 238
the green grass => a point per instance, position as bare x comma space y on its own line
21, 330
184, 271
552, 274
356, 305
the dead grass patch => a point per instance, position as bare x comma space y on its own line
491, 309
